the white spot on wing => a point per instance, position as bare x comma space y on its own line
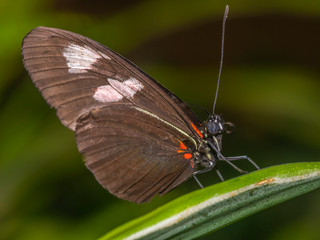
117, 90
127, 88
80, 58
107, 94
134, 84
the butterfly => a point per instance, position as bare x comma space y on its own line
138, 139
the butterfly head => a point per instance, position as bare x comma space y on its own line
214, 128
215, 125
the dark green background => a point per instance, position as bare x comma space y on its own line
270, 90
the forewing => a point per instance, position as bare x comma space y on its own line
76, 74
132, 154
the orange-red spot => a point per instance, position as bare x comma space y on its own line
192, 163
182, 146
187, 155
196, 129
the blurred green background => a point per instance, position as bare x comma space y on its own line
269, 90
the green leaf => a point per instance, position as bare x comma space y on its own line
209, 209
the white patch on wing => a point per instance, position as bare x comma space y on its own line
127, 88
117, 90
80, 58
107, 94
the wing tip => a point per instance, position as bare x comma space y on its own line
25, 39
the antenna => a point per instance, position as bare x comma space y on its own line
221, 58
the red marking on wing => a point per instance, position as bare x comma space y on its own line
196, 129
183, 149
191, 163
182, 146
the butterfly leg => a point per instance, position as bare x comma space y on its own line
232, 165
207, 169
243, 157
229, 159
197, 180
220, 175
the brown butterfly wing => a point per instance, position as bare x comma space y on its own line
68, 68
94, 91
132, 154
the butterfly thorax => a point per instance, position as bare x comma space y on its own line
213, 129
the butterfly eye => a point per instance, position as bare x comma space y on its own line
214, 128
